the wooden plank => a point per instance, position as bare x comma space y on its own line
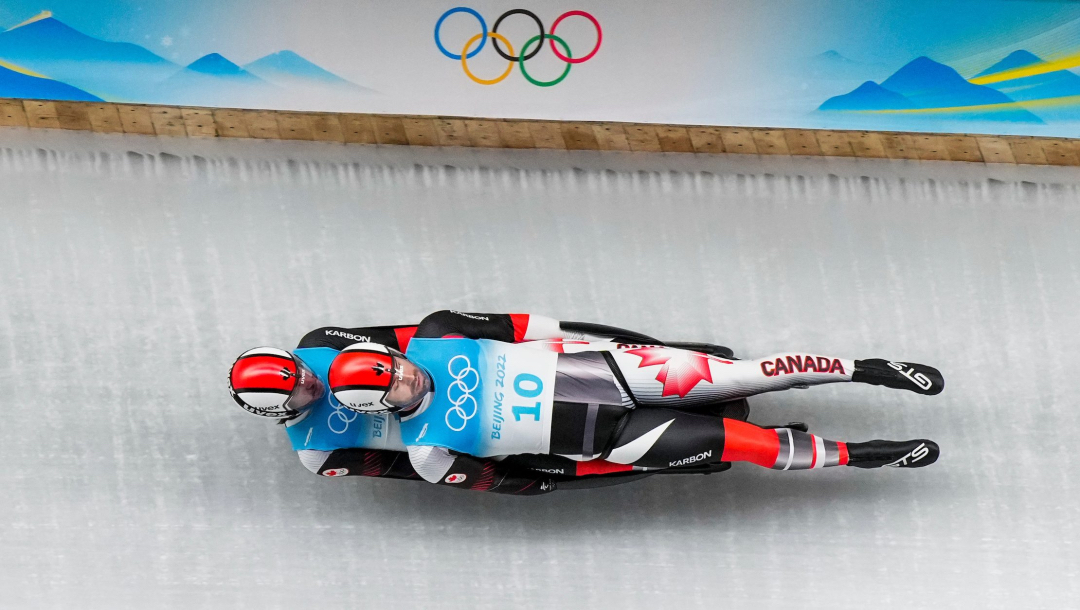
738, 141
579, 136
420, 131
706, 139
835, 144
261, 124
451, 132
931, 147
12, 114
674, 139
358, 128
72, 115
770, 142
136, 119
1059, 152
546, 134
642, 138
431, 131
104, 118
325, 127
41, 114
1026, 150
611, 136
390, 130
802, 142
230, 123
899, 146
293, 126
199, 122
483, 134
867, 145
167, 121
515, 134
963, 148
995, 150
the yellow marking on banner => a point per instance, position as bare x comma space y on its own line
1064, 63
38, 17
20, 69
1050, 102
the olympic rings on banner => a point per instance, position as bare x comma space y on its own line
527, 51
495, 28
599, 37
549, 83
465, 55
460, 9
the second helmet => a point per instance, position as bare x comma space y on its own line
361, 375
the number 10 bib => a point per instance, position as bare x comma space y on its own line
490, 398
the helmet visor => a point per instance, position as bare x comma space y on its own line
308, 389
408, 385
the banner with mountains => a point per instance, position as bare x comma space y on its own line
1021, 88
45, 58
967, 66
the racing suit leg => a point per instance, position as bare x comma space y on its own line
666, 438
664, 376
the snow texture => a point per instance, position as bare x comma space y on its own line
134, 270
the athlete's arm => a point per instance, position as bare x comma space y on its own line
339, 338
359, 463
587, 331
518, 327
437, 465
506, 327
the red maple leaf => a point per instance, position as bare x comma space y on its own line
681, 370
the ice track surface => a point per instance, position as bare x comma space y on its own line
133, 271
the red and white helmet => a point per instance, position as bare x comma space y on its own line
272, 382
361, 375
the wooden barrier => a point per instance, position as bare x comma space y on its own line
402, 130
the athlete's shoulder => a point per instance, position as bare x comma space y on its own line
451, 323
337, 337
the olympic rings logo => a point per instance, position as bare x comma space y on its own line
527, 50
340, 415
464, 392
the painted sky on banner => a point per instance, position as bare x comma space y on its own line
741, 62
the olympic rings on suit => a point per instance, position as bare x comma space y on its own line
527, 50
464, 391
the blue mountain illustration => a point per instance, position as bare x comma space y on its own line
833, 66
1016, 59
834, 57
80, 67
115, 70
868, 96
932, 85
213, 80
1058, 83
216, 65
928, 84
288, 64
289, 70
18, 85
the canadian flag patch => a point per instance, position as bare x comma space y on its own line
335, 472
455, 478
